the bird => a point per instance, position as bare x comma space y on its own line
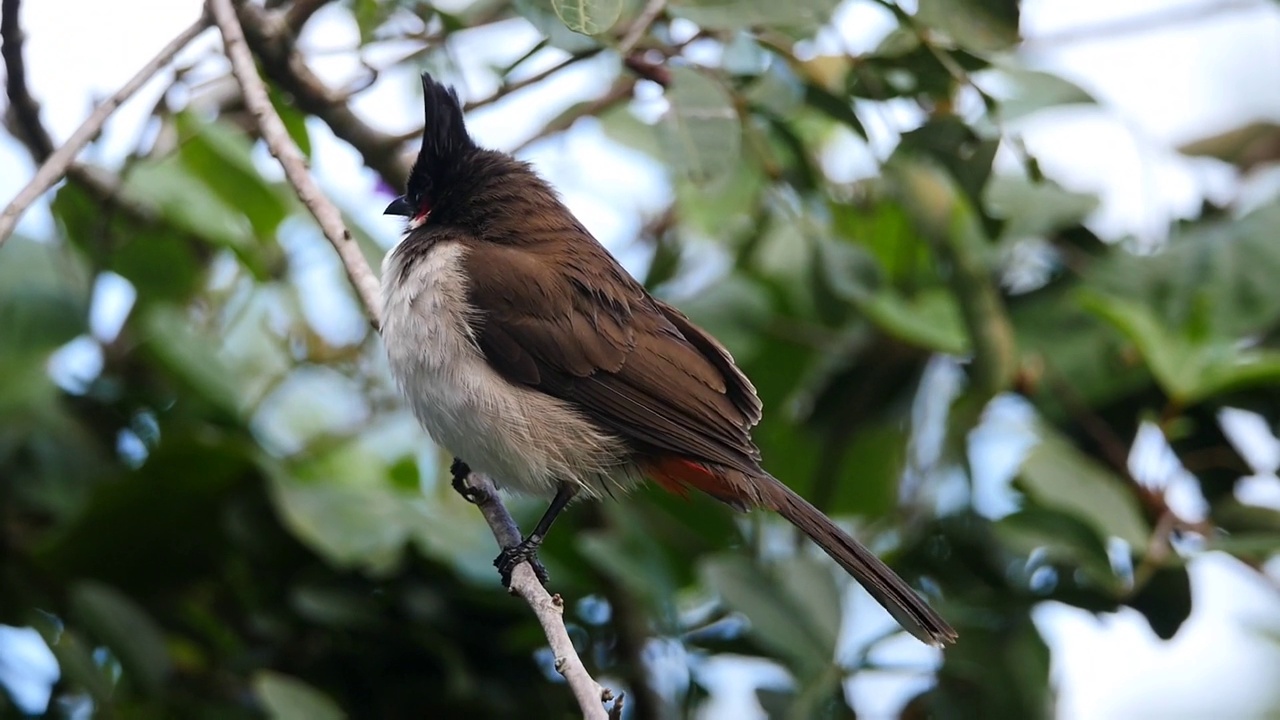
529, 353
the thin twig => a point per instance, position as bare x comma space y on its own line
621, 90
508, 88
640, 25
548, 608
300, 11
60, 160
291, 159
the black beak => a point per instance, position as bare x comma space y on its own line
399, 206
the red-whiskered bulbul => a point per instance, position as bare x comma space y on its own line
526, 350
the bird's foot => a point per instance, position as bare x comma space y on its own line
460, 470
525, 551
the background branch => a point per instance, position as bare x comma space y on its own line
651, 11
271, 39
59, 161
291, 159
23, 116
620, 91
548, 608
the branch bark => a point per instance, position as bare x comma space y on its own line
273, 132
640, 26
271, 39
622, 89
58, 162
24, 111
548, 608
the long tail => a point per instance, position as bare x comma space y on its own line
891, 591
764, 490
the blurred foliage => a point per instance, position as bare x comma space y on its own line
220, 508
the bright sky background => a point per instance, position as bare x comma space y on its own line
1158, 88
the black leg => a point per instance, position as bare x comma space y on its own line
527, 549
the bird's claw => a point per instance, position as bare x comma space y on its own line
460, 470
525, 551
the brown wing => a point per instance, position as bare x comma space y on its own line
577, 327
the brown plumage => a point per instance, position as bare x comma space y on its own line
559, 322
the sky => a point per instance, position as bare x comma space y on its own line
1158, 84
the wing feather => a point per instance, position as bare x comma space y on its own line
633, 364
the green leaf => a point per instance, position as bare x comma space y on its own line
1000, 669
885, 230
976, 25
1063, 538
589, 17
1238, 518
702, 135
344, 503
288, 698
722, 210
1221, 273
628, 553
744, 14
158, 523
847, 269
158, 258
124, 627
191, 358
873, 465
1189, 369
77, 666
779, 611
814, 591
1030, 91
1058, 476
833, 106
222, 158
543, 16
929, 320
1034, 209
185, 201
43, 298
1256, 546
622, 126
1072, 345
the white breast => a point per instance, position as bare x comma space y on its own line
523, 439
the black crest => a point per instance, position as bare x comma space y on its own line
445, 142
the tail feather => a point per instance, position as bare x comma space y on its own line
743, 492
891, 591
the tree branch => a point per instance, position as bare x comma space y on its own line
271, 39
640, 25
24, 111
507, 88
621, 90
300, 11
481, 491
951, 225
59, 161
273, 131
548, 608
